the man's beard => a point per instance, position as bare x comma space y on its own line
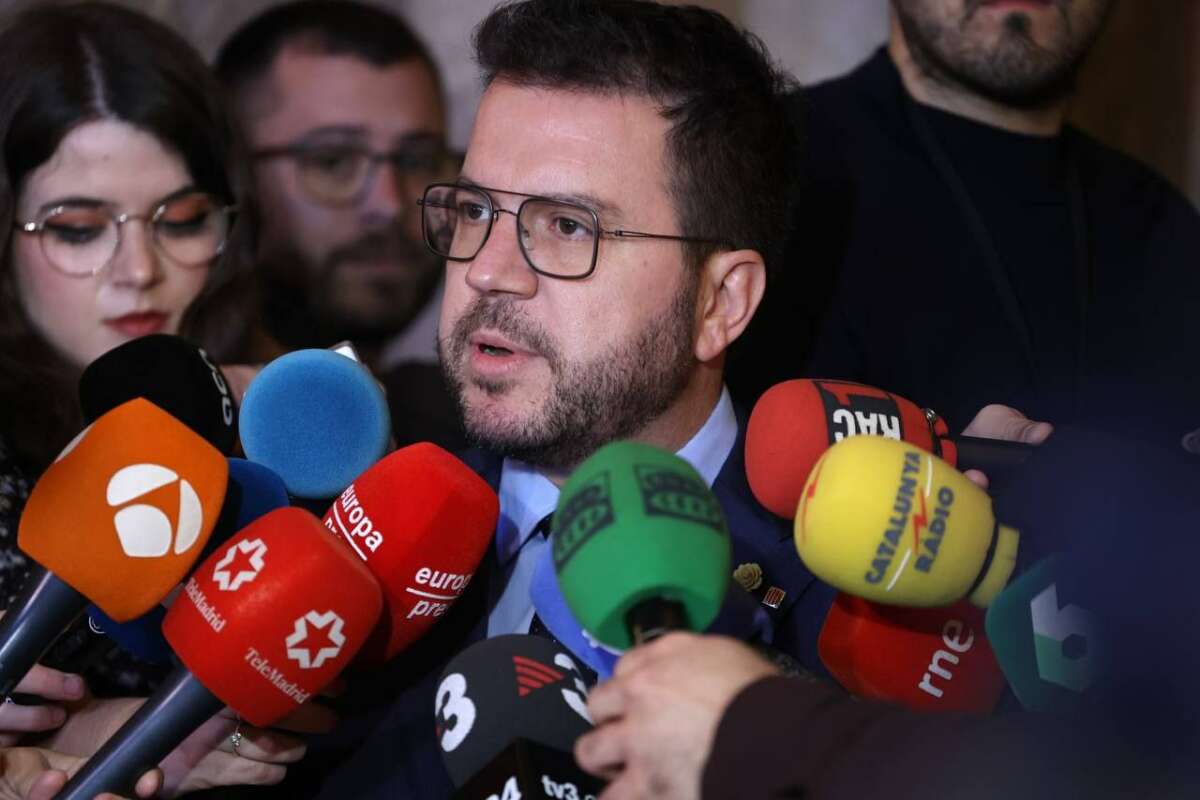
609, 397
1014, 71
303, 306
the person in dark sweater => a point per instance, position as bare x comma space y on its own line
955, 242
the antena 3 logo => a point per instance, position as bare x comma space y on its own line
144, 530
232, 571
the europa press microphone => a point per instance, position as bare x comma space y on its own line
252, 491
263, 624
640, 545
508, 711
794, 422
889, 522
317, 418
119, 518
421, 520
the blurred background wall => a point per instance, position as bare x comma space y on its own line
1140, 91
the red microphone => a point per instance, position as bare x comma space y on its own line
794, 422
422, 521
926, 659
265, 622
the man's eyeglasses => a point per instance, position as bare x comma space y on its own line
558, 239
80, 239
342, 175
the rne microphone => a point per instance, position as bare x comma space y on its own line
640, 545
889, 522
794, 422
508, 712
119, 518
171, 372
317, 418
263, 624
925, 659
422, 521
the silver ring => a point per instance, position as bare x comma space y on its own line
235, 738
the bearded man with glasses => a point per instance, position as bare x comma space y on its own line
343, 110
606, 240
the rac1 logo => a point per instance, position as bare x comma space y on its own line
144, 530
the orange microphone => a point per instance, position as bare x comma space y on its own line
264, 623
119, 519
421, 520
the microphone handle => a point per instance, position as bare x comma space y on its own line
170, 715
654, 617
44, 608
991, 456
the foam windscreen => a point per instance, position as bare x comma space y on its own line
170, 372
126, 509
422, 521
272, 618
317, 419
506, 688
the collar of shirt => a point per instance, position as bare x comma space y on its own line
526, 496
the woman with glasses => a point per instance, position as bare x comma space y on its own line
123, 212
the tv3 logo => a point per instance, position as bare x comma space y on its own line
453, 704
1053, 628
551, 789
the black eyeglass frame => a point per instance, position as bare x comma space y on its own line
493, 211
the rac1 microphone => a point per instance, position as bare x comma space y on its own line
170, 372
317, 418
253, 491
119, 518
640, 545
794, 422
1051, 650
925, 659
889, 522
508, 712
263, 625
421, 520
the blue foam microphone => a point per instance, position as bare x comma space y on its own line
317, 418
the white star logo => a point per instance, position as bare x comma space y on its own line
227, 582
302, 655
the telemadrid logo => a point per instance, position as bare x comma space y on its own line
331, 623
230, 581
144, 530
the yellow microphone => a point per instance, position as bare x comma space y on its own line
886, 521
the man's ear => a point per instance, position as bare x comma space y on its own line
731, 287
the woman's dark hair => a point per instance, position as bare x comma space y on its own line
732, 150
67, 65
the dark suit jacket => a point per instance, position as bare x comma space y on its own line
385, 747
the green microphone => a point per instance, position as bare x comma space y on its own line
640, 545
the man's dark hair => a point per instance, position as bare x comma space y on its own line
731, 147
326, 27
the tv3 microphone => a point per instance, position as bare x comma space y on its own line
640, 545
794, 422
119, 518
263, 625
508, 712
422, 521
889, 522
925, 659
